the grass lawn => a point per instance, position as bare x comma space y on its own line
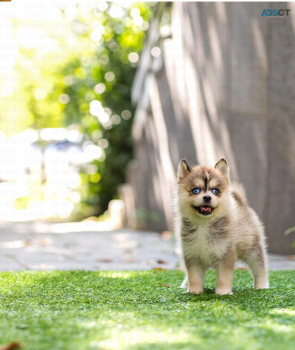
135, 311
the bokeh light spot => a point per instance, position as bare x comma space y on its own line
99, 88
126, 114
109, 76
133, 57
64, 99
156, 51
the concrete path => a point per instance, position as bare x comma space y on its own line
92, 246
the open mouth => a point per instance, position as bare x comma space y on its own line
203, 209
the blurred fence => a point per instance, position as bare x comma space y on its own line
218, 82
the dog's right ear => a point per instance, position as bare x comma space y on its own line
183, 170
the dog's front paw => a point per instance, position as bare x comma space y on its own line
195, 290
261, 284
223, 291
264, 286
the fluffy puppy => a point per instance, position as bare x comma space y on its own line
216, 227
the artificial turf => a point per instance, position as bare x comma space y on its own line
139, 311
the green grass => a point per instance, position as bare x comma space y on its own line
134, 311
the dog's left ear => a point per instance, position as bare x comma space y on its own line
222, 166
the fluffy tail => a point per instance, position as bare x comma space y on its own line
238, 192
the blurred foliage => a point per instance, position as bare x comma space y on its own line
91, 56
144, 216
22, 203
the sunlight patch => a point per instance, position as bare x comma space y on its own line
125, 339
282, 312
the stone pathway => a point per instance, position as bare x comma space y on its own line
92, 246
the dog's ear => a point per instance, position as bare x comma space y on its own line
222, 166
183, 170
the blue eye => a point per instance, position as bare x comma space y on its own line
196, 190
215, 191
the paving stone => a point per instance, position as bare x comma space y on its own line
24, 247
11, 266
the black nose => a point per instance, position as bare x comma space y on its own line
207, 199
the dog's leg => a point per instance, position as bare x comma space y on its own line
225, 274
195, 276
257, 261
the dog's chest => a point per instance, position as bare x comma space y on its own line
202, 245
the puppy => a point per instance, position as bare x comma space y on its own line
216, 227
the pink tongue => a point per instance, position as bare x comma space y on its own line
205, 208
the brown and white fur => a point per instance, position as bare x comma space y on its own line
217, 229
